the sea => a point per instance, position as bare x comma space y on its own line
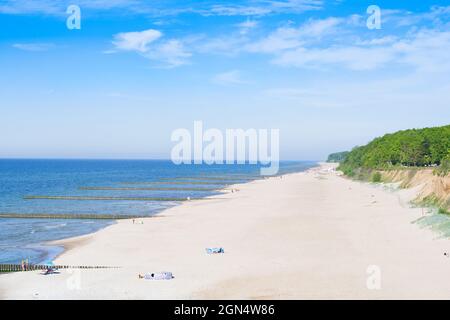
23, 179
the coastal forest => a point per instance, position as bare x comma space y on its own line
428, 147
337, 156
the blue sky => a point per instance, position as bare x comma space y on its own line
137, 70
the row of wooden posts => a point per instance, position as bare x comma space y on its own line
70, 216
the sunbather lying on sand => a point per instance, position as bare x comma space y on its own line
215, 250
157, 276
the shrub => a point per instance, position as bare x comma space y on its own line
376, 177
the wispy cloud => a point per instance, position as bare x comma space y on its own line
289, 37
30, 7
246, 26
345, 43
171, 53
258, 7
136, 41
425, 49
58, 7
164, 8
437, 15
232, 77
327, 43
33, 46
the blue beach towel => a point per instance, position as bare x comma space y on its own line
215, 250
159, 276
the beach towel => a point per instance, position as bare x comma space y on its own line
215, 250
158, 276
49, 271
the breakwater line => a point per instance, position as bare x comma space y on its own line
181, 182
211, 179
88, 198
35, 267
15, 215
149, 189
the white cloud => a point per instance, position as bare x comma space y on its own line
136, 41
428, 50
318, 28
423, 50
333, 42
378, 41
30, 7
279, 40
171, 52
226, 10
246, 26
107, 4
290, 37
162, 8
263, 7
355, 58
436, 15
232, 77
52, 7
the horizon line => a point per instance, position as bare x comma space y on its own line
132, 159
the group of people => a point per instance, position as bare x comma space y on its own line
25, 265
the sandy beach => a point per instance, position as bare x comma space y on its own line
309, 235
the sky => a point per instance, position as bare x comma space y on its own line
137, 70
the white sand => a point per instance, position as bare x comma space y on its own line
308, 235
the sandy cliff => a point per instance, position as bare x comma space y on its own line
431, 188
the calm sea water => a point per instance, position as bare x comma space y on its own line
26, 238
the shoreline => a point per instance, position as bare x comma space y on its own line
308, 235
72, 242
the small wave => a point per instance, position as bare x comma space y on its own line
60, 225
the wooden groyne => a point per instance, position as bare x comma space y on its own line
232, 176
223, 179
86, 198
148, 189
34, 267
68, 216
181, 182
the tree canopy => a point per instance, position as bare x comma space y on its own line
413, 147
338, 156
